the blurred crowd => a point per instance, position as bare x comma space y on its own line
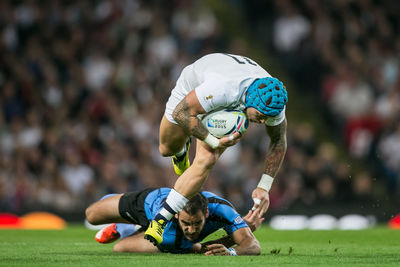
344, 58
84, 85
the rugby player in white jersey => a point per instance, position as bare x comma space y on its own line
213, 82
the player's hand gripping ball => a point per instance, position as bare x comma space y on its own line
225, 122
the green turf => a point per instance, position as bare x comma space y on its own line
75, 246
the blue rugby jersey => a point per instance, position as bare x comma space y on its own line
221, 215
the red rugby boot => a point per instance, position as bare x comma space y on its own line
108, 234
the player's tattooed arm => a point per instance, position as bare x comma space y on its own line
185, 114
277, 148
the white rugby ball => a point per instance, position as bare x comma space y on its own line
225, 122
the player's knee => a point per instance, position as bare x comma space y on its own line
165, 150
90, 215
168, 150
119, 248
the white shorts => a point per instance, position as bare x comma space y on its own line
186, 82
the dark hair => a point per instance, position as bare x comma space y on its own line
196, 203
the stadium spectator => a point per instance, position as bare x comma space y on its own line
290, 28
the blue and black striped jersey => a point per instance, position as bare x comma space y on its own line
221, 215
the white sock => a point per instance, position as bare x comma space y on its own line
181, 152
175, 201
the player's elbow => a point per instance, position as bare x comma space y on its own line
253, 248
257, 248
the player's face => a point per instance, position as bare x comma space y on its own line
255, 116
191, 224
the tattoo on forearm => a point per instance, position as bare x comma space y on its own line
274, 159
190, 123
181, 115
277, 149
198, 130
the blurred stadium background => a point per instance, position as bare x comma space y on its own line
84, 84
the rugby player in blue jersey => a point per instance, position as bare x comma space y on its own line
205, 213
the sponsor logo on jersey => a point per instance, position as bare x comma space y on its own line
238, 219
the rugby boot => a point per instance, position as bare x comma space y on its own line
155, 232
108, 234
182, 163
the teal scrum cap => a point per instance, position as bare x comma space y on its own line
267, 95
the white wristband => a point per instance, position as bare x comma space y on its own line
265, 182
212, 141
232, 251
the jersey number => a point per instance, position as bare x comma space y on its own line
242, 60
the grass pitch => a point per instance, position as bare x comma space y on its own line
76, 246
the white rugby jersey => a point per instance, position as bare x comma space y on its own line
221, 81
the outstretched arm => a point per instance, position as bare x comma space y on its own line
275, 155
252, 219
277, 149
246, 242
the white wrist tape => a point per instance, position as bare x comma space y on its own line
232, 251
257, 201
265, 182
212, 141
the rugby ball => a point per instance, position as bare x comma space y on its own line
225, 122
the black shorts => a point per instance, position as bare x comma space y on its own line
131, 207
